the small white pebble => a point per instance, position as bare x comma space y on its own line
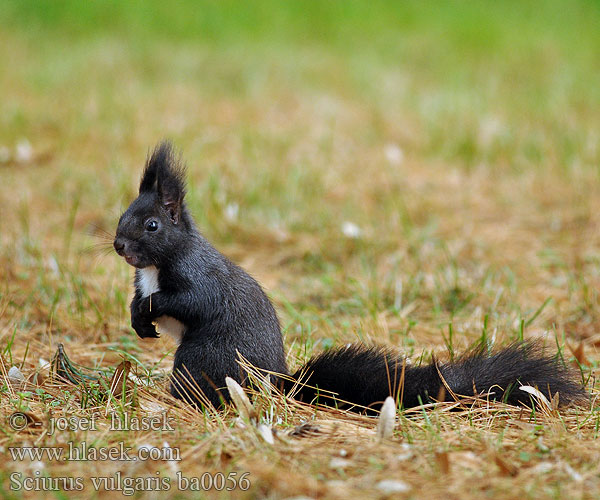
15, 374
543, 467
392, 486
339, 463
231, 211
407, 452
394, 154
53, 266
23, 151
351, 230
38, 465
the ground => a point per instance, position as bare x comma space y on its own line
424, 176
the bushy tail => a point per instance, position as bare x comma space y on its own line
365, 376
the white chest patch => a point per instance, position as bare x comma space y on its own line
148, 283
149, 280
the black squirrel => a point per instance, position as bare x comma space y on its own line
216, 312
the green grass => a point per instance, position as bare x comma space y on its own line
461, 139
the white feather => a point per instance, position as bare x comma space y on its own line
537, 394
387, 419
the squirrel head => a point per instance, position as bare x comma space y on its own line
155, 224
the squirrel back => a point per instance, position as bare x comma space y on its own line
217, 312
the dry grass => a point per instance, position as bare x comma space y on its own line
468, 171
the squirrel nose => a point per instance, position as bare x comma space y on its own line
119, 245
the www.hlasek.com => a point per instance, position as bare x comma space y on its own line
83, 452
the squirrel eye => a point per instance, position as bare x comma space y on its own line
151, 225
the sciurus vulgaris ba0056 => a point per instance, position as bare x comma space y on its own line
215, 310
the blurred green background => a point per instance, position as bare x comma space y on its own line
441, 63
378, 165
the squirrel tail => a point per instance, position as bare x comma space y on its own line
357, 375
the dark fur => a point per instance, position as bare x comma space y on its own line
365, 376
226, 313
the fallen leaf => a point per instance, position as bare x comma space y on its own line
118, 378
506, 469
443, 461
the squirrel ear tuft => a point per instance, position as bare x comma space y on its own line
165, 173
161, 158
